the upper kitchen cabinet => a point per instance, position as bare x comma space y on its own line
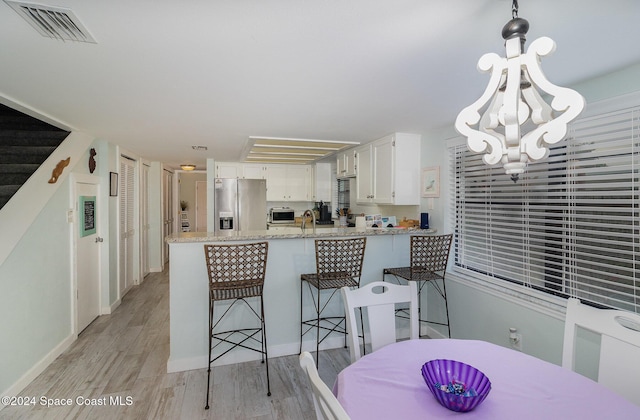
240, 170
254, 171
346, 164
322, 181
288, 182
389, 170
228, 169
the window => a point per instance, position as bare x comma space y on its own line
569, 227
344, 194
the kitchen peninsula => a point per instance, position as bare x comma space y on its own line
290, 254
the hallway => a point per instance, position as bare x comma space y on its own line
117, 369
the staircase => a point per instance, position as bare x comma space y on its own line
25, 142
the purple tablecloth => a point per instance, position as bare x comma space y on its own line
388, 384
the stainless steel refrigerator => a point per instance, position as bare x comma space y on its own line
240, 204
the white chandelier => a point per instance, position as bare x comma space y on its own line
511, 122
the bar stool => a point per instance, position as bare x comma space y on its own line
428, 263
236, 272
338, 264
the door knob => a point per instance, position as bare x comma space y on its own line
99, 239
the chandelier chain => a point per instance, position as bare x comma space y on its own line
514, 9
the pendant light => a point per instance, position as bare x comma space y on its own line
512, 122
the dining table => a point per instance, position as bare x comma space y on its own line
388, 384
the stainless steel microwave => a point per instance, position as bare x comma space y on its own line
282, 215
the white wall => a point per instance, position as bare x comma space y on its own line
35, 293
36, 284
36, 296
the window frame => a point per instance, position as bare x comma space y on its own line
527, 290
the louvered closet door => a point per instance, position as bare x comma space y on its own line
127, 231
144, 222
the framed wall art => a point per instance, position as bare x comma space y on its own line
430, 182
87, 215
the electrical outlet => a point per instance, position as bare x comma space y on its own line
516, 343
515, 339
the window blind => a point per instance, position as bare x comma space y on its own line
570, 226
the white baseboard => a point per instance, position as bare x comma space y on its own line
433, 333
240, 355
192, 363
38, 368
109, 309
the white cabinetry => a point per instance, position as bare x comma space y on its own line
288, 182
346, 164
240, 170
322, 182
228, 169
364, 177
389, 170
253, 171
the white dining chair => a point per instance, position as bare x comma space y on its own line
379, 299
619, 332
325, 403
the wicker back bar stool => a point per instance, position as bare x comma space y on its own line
428, 263
236, 273
338, 264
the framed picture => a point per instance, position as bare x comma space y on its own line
87, 215
113, 184
430, 185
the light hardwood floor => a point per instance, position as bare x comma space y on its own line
123, 356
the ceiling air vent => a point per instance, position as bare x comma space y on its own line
53, 22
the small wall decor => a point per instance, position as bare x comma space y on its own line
92, 161
113, 184
57, 171
430, 185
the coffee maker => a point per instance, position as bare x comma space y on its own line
325, 214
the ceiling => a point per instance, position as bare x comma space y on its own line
164, 76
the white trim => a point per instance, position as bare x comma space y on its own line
240, 355
76, 179
615, 104
107, 310
191, 363
38, 368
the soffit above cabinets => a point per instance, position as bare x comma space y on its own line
290, 150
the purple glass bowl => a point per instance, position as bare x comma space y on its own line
444, 372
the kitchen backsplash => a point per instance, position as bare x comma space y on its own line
410, 212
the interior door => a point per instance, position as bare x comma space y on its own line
87, 255
127, 226
144, 220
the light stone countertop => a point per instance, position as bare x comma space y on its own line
294, 233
